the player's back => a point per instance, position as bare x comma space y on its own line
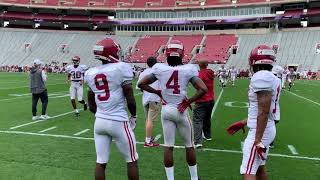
263, 81
174, 81
106, 83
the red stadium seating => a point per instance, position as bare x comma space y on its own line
189, 43
216, 48
130, 3
147, 46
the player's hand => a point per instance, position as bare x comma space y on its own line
184, 105
163, 102
133, 122
261, 150
235, 127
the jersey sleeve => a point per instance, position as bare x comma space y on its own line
193, 71
156, 70
68, 68
127, 72
262, 82
84, 68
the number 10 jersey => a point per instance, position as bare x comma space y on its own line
106, 82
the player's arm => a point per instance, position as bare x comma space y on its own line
91, 101
128, 93
264, 103
201, 88
144, 84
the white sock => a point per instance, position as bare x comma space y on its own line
193, 172
76, 110
148, 139
170, 173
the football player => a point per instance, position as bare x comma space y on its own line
75, 78
264, 91
284, 77
110, 89
291, 77
222, 74
233, 72
174, 79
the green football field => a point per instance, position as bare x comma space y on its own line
62, 148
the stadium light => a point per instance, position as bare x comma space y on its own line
279, 12
111, 17
36, 25
65, 26
5, 23
234, 1
202, 3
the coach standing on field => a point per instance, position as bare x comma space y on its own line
38, 89
203, 107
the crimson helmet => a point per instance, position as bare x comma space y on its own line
76, 60
262, 54
107, 50
175, 48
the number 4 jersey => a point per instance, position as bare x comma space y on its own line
263, 81
106, 82
174, 81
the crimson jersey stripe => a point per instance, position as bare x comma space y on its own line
129, 140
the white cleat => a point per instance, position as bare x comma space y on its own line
34, 118
44, 117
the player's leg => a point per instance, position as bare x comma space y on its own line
73, 92
102, 144
169, 129
290, 84
80, 97
262, 173
126, 144
44, 101
207, 121
186, 132
198, 118
151, 111
35, 99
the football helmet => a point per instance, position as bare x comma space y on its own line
107, 50
262, 54
76, 60
175, 48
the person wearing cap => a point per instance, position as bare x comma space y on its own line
203, 107
38, 77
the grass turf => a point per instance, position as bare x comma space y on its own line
34, 157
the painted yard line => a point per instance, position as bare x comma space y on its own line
21, 97
216, 104
34, 122
303, 98
48, 129
81, 132
55, 97
178, 147
7, 88
293, 149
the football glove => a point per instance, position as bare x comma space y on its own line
261, 150
235, 127
184, 105
133, 122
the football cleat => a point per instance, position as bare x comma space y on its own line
198, 146
151, 144
34, 118
44, 117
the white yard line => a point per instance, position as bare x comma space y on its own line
48, 129
293, 149
216, 103
29, 86
34, 122
81, 132
303, 98
178, 147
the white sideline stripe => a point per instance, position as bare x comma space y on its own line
303, 98
178, 147
292, 149
216, 104
29, 86
34, 122
21, 97
60, 96
48, 129
81, 132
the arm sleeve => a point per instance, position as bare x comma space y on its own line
44, 76
262, 83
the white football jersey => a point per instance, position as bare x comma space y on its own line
222, 72
292, 75
285, 73
149, 97
106, 82
263, 81
77, 73
233, 72
174, 81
